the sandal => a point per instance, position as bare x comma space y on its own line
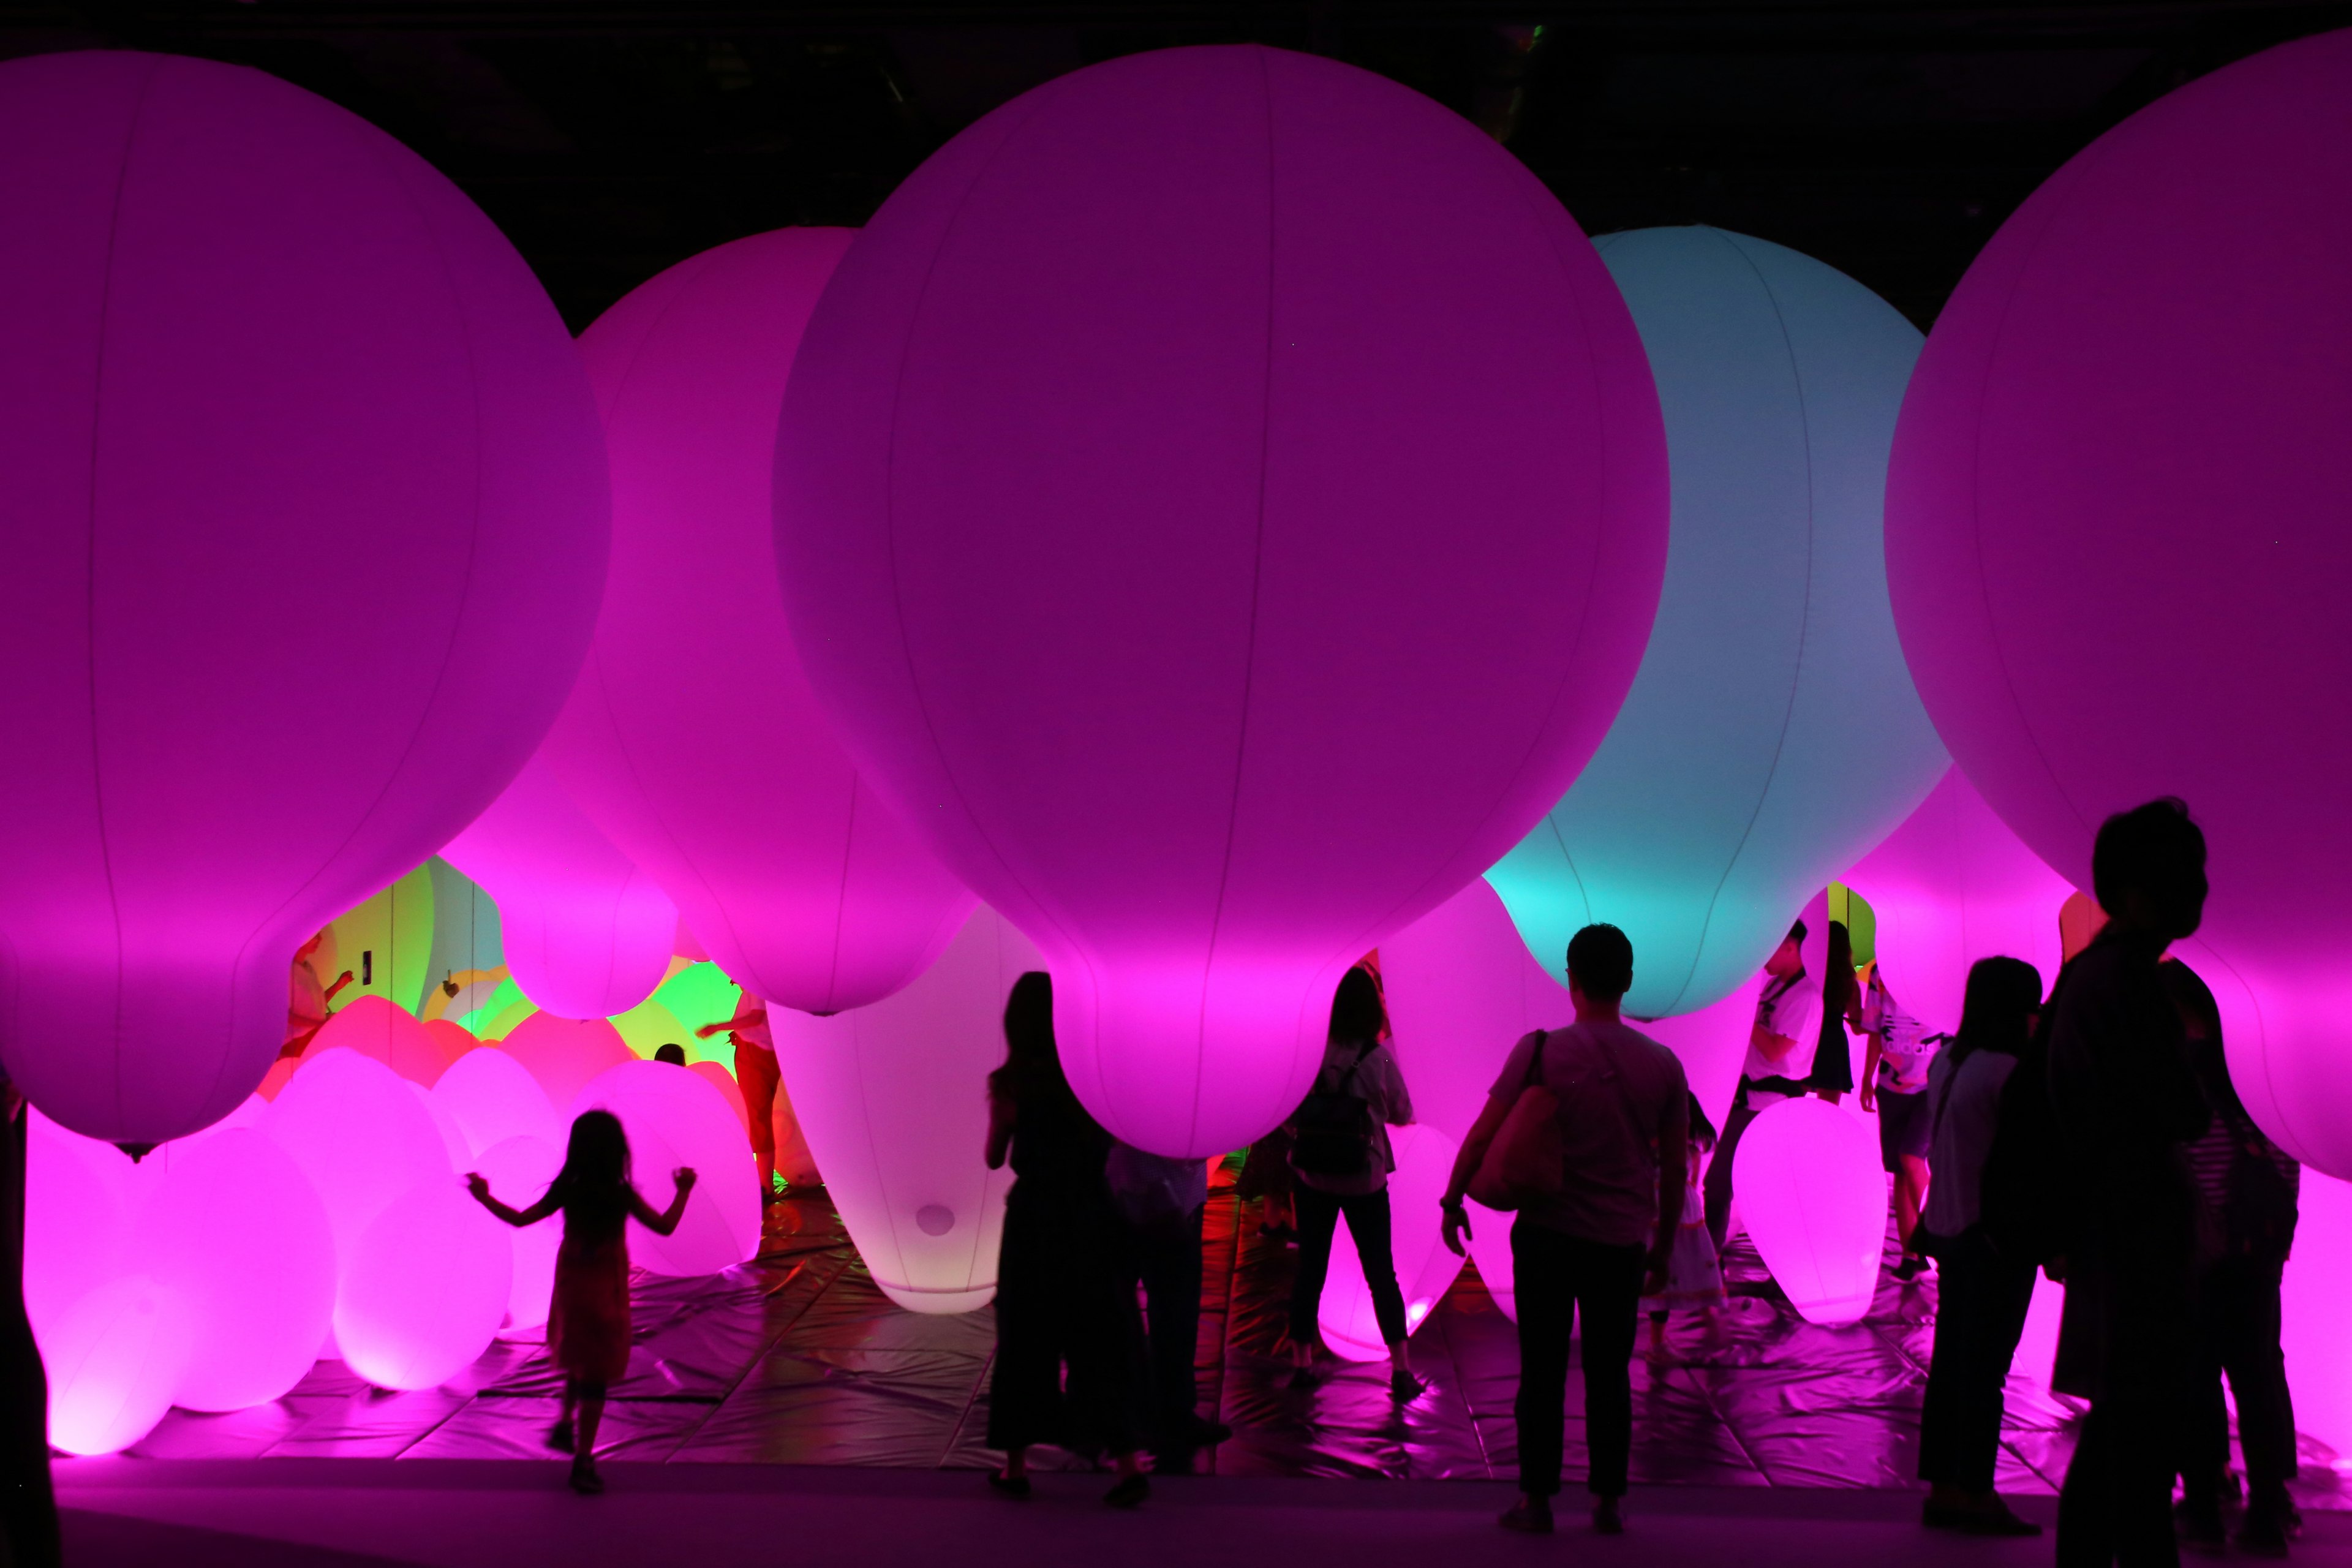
559, 1438
584, 1479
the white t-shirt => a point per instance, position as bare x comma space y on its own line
1904, 1049
1791, 1008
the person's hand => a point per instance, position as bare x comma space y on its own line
1654, 1283
478, 1184
707, 1030
684, 1177
1458, 1224
1869, 1100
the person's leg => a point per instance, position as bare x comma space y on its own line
2250, 1348
564, 1438
2086, 1537
1608, 1285
1170, 1271
1318, 1215
1910, 1195
2204, 1460
584, 1458
2150, 1349
1547, 1303
1717, 1184
1946, 1417
1372, 1223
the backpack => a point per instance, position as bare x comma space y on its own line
2258, 1214
1334, 1126
2021, 1200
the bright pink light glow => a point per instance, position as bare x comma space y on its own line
361, 1136
492, 1097
2312, 1297
1426, 1268
674, 1118
387, 1033
804, 885
427, 1290
587, 934
519, 1170
2115, 541
564, 1054
1121, 522
79, 1208
286, 420
890, 1098
1813, 1198
112, 1362
720, 1079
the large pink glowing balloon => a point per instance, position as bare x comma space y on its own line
1426, 1268
674, 1118
587, 934
361, 1136
374, 1027
427, 1291
1139, 515
720, 1079
2311, 1302
492, 1097
243, 1245
1951, 886
112, 1362
81, 1207
1814, 1199
790, 870
564, 1054
519, 1170
304, 529
2115, 535
893, 1101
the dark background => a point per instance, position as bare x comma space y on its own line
610, 137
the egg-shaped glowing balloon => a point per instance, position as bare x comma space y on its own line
80, 1210
286, 421
427, 1291
2115, 534
1123, 500
389, 1033
565, 1054
1772, 734
720, 1079
892, 1099
2311, 1305
492, 1098
243, 1245
454, 1039
112, 1360
1461, 990
1426, 1268
587, 934
1814, 1198
519, 1170
363, 1138
800, 882
674, 1118
1951, 886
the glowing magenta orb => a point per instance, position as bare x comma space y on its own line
564, 1054
586, 933
891, 1098
80, 1207
801, 883
492, 1097
1120, 508
427, 1290
519, 1170
2116, 539
244, 1247
1426, 1267
674, 1118
720, 1079
1814, 1198
2311, 1303
286, 422
112, 1362
361, 1136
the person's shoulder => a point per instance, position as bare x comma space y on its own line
1659, 1056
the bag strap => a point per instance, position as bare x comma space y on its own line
1617, 1076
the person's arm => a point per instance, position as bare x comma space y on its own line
1000, 1129
666, 1221
748, 1012
1398, 1111
340, 981
1465, 1166
1674, 1174
479, 1187
1773, 1047
1869, 1071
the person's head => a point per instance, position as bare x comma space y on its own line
1029, 1022
1356, 1011
1600, 963
2148, 870
670, 1051
1996, 1014
597, 1159
1789, 958
1702, 1134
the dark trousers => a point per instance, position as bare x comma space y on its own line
1060, 1301
1165, 1260
1717, 1185
2116, 1504
1368, 1223
1980, 1304
1556, 1278
2238, 1334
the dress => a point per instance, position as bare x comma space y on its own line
1694, 1273
588, 1319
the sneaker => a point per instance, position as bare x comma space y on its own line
2198, 1521
1995, 1517
1008, 1486
2264, 1534
584, 1479
1528, 1518
558, 1437
1911, 1267
1404, 1387
1608, 1516
1129, 1493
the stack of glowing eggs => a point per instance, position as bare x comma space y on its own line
1813, 1198
377, 1027
360, 1136
280, 407
674, 1120
427, 1290
1426, 1267
1772, 734
492, 1098
890, 1098
586, 933
2116, 536
1120, 525
565, 1054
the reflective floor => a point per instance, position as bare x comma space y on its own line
798, 1359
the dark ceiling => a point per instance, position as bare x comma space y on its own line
610, 137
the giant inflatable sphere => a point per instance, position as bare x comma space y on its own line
427, 1290
493, 1097
2115, 535
587, 934
1211, 550
112, 1362
361, 1136
564, 1054
285, 420
1814, 1200
520, 1171
80, 1205
674, 1118
892, 1099
693, 739
1772, 734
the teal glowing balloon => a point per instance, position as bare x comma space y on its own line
1772, 735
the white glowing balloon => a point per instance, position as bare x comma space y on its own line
1490, 1249
492, 1098
564, 1054
720, 1079
1424, 1267
674, 1118
427, 1290
243, 1244
2311, 1302
113, 1359
1814, 1199
891, 1099
361, 1136
78, 1210
519, 1170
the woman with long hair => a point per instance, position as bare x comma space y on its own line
1984, 1292
1059, 1297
